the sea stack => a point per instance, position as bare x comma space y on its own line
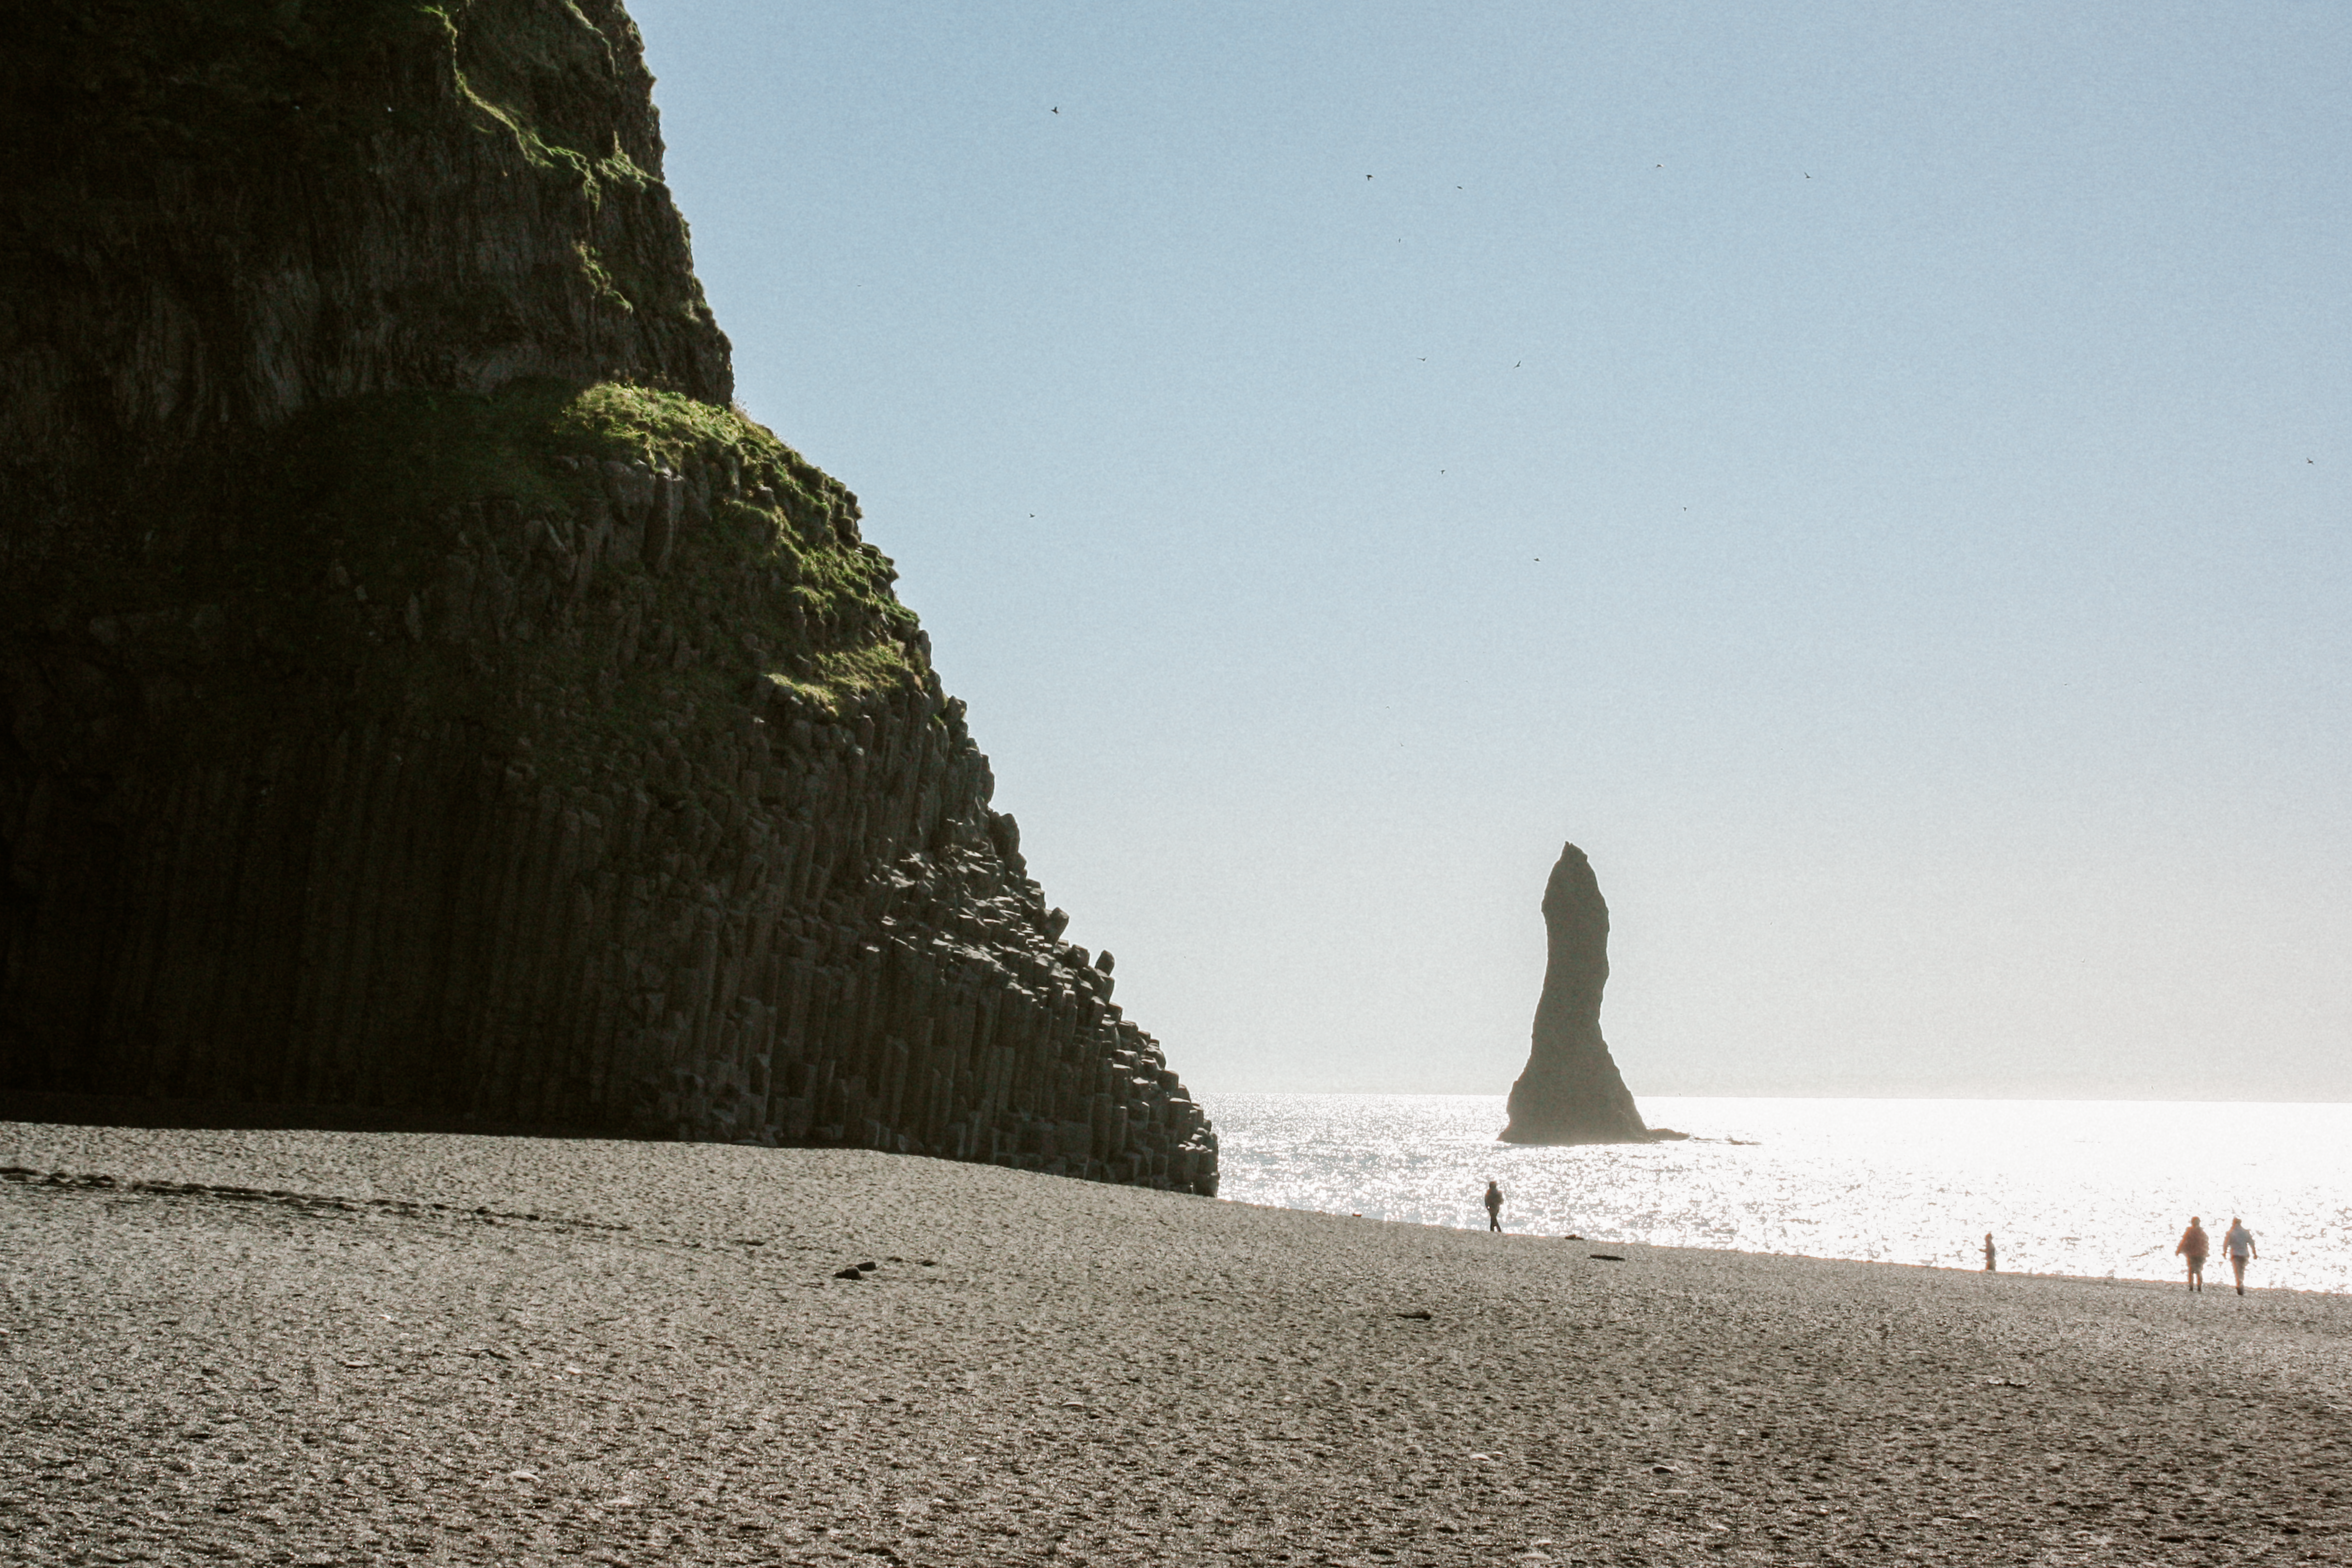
1571, 1091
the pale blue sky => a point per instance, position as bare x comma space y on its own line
1875, 476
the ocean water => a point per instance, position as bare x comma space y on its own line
2085, 1187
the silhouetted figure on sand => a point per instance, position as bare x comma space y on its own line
2238, 1243
1493, 1207
2193, 1246
1991, 1261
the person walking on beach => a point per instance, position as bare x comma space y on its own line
1493, 1207
2193, 1248
2239, 1243
1990, 1260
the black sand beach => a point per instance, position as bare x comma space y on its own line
435, 1349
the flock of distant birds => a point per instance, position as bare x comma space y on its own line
1425, 358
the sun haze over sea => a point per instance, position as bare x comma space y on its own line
1874, 477
2094, 1188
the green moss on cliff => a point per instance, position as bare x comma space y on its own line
284, 180
130, 84
504, 561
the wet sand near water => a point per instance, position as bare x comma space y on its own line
347, 1347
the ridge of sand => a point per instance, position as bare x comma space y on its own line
640, 1354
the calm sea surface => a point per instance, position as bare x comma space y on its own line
2094, 1188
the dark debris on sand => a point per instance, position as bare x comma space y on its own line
372, 1348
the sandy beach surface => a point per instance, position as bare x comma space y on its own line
337, 1347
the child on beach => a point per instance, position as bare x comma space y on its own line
2239, 1243
1989, 1258
2192, 1247
1493, 1207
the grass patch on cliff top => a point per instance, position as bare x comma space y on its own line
392, 494
616, 419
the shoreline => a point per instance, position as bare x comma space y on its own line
2068, 1190
102, 1181
641, 1353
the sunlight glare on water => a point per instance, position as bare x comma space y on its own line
2088, 1187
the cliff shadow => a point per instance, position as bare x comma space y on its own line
61, 1110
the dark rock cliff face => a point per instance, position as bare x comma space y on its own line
422, 691
221, 212
1571, 1091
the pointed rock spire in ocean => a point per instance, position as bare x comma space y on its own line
1571, 1092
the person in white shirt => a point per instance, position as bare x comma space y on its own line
2239, 1243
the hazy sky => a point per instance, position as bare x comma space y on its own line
1875, 476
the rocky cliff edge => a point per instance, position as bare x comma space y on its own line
423, 690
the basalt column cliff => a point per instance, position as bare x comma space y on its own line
1570, 1092
422, 689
